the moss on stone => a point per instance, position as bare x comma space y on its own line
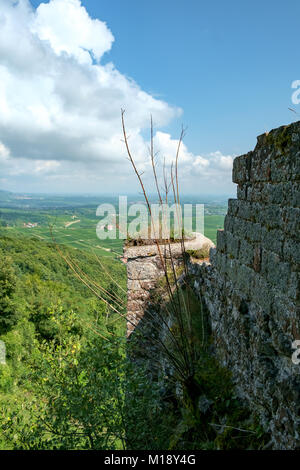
202, 253
280, 140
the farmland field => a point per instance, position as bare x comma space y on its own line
80, 234
73, 221
211, 224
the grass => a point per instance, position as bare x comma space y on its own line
211, 224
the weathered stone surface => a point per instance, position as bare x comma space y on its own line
284, 193
241, 168
144, 268
221, 241
251, 286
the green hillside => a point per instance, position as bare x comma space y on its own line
67, 383
43, 304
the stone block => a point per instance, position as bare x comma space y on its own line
253, 232
291, 221
233, 205
246, 253
241, 168
232, 245
221, 241
291, 251
272, 240
229, 223
276, 272
246, 210
242, 190
270, 216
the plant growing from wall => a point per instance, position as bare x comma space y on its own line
176, 330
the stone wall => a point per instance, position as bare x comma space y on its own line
251, 287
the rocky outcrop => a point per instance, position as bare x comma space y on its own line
144, 268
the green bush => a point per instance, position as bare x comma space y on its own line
6, 379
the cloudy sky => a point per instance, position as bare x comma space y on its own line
62, 87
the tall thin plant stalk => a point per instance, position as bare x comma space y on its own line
181, 312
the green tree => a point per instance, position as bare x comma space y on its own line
8, 282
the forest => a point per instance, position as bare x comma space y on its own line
68, 381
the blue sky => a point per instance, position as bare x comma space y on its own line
228, 65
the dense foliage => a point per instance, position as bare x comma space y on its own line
68, 383
43, 307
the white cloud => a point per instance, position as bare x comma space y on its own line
68, 28
221, 161
167, 147
44, 166
4, 152
213, 167
56, 103
60, 106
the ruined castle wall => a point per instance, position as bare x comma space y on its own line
251, 287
